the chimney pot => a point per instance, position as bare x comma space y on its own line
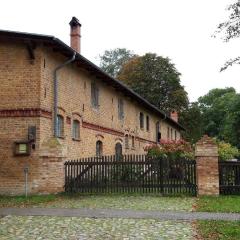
75, 34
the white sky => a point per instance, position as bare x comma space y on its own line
180, 30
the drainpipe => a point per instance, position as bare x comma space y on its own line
56, 90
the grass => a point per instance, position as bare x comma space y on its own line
22, 201
124, 201
111, 201
230, 204
219, 230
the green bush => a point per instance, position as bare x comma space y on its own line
226, 151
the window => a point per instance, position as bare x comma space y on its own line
171, 134
175, 135
141, 119
120, 109
99, 148
60, 125
168, 133
147, 123
158, 133
118, 151
133, 142
76, 130
94, 95
126, 141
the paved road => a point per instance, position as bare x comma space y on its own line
112, 213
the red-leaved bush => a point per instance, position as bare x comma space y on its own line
170, 148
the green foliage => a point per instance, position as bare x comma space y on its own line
220, 115
191, 119
226, 151
156, 79
112, 60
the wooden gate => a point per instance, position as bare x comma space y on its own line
131, 173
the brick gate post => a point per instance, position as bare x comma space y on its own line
206, 154
52, 158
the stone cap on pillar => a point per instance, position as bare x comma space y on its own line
206, 146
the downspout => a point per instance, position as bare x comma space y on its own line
56, 90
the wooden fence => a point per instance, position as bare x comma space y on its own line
131, 173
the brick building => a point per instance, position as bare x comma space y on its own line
52, 96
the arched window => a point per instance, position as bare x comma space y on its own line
60, 126
99, 148
76, 129
118, 151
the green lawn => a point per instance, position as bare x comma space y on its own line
219, 204
114, 201
22, 201
219, 230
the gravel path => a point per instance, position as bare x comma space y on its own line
113, 213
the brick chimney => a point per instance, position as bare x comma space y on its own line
75, 34
174, 116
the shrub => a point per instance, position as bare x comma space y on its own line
172, 149
226, 151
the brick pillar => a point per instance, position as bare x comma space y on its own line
52, 158
206, 153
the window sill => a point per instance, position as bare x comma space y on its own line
61, 137
95, 108
76, 139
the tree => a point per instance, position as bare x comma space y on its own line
112, 60
156, 79
220, 110
191, 119
231, 29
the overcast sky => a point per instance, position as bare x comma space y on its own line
180, 30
